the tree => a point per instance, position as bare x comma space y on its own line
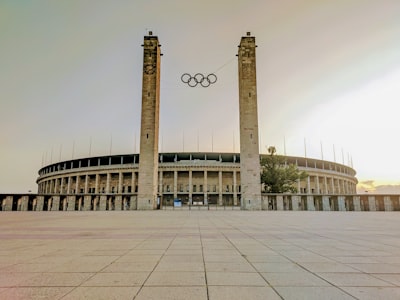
278, 176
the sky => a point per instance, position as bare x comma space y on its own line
328, 76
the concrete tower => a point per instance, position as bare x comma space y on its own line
249, 149
148, 160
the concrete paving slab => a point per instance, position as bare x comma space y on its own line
102, 293
313, 293
199, 255
35, 293
267, 258
56, 279
242, 292
377, 268
373, 293
328, 267
294, 279
390, 278
235, 279
172, 293
173, 278
128, 267
117, 279
275, 267
183, 266
353, 279
229, 267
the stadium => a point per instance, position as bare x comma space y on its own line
194, 178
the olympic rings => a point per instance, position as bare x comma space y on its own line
204, 81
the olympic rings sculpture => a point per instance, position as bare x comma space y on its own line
204, 81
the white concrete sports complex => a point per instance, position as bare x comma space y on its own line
111, 182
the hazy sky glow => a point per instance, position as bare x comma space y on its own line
328, 73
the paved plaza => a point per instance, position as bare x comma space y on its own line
199, 254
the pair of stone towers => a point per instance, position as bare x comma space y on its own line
249, 149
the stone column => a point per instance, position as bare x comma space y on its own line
56, 186
279, 202
62, 185
371, 203
71, 203
51, 185
388, 203
175, 184
55, 203
249, 147
120, 181
103, 203
69, 185
220, 188
108, 183
341, 203
96, 203
308, 185
357, 203
190, 187
205, 183
86, 184
234, 188
23, 203
118, 202
325, 203
149, 130
295, 202
87, 201
317, 187
77, 185
325, 185
39, 203
310, 203
160, 183
80, 205
133, 205
8, 203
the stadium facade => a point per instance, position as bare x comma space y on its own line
194, 178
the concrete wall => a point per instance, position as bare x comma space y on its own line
103, 202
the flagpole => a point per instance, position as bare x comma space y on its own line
110, 144
212, 141
90, 146
284, 145
334, 153
322, 151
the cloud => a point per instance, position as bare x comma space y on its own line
369, 186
